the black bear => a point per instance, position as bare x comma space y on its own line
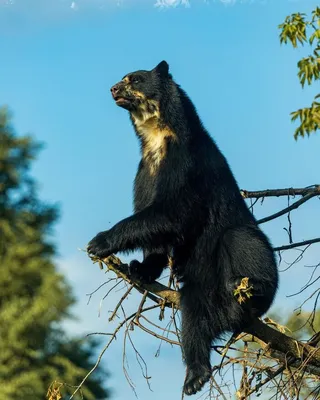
188, 205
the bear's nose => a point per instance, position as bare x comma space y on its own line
114, 90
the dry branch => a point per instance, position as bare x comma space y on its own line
293, 206
161, 292
258, 194
297, 244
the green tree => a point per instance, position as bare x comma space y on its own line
34, 298
299, 30
303, 324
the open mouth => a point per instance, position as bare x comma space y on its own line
121, 100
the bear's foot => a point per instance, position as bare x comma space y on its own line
196, 378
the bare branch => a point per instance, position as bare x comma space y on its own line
315, 192
279, 192
113, 337
120, 302
159, 291
297, 244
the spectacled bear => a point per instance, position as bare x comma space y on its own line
187, 204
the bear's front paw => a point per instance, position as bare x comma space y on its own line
196, 378
101, 245
141, 272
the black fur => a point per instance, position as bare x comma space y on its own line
190, 206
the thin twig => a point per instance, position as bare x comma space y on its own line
315, 192
297, 244
120, 302
107, 346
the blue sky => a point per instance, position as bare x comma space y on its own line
59, 59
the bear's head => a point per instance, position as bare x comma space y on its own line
141, 91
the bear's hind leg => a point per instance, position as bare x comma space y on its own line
196, 341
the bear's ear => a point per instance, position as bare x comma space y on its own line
162, 69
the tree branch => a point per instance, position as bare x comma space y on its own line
159, 291
297, 244
280, 192
293, 206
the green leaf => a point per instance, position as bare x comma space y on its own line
309, 119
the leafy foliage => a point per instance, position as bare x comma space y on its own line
298, 30
34, 298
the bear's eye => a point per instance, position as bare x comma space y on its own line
136, 79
